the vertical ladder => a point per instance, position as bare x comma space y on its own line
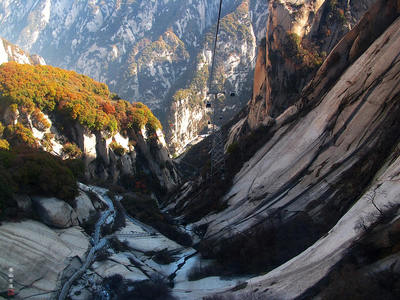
218, 145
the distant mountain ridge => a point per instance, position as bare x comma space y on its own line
144, 50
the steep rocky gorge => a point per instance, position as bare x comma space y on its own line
309, 209
42, 130
294, 47
345, 123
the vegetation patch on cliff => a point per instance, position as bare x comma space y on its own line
69, 94
168, 45
193, 93
307, 57
235, 24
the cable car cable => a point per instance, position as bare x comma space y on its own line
215, 46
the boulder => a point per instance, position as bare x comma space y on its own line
84, 207
55, 212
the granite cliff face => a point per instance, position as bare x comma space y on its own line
145, 51
325, 177
345, 117
37, 270
299, 37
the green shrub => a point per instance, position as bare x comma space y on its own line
163, 257
232, 148
77, 167
337, 12
39, 120
117, 148
308, 57
35, 172
71, 150
292, 45
7, 187
18, 134
119, 220
46, 142
90, 225
156, 288
119, 246
102, 255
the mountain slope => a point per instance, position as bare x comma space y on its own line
313, 266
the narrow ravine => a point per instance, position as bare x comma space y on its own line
142, 239
107, 217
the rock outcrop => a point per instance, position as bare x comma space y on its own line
83, 207
315, 263
234, 62
104, 163
325, 181
328, 161
299, 37
10, 52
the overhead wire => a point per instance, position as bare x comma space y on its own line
215, 47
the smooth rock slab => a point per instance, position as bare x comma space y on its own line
38, 256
